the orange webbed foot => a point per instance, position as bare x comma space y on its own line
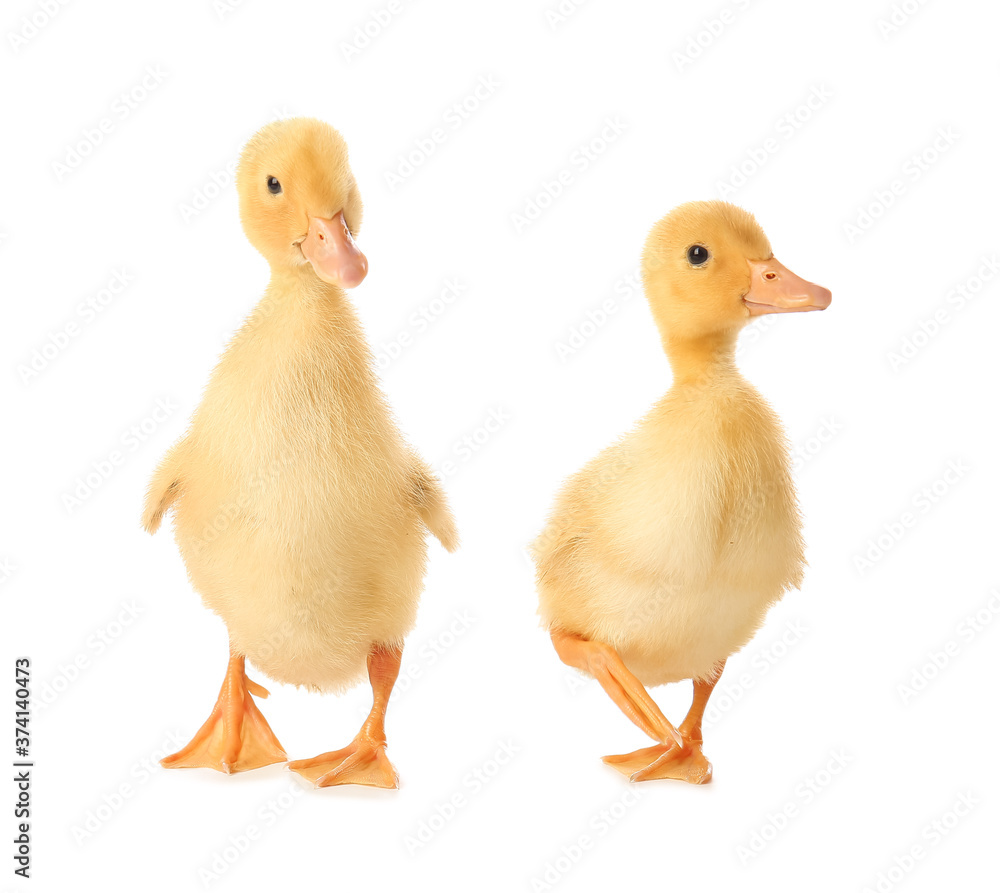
686, 763
236, 737
363, 761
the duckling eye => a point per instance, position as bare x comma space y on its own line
698, 255
273, 186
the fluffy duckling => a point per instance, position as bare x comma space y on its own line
664, 553
299, 509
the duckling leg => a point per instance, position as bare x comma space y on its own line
691, 727
603, 663
363, 761
236, 737
687, 762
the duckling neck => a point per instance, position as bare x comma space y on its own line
301, 285
695, 361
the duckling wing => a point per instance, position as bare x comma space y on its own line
432, 506
164, 488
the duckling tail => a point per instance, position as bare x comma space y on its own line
433, 508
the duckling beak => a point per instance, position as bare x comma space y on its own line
776, 289
330, 248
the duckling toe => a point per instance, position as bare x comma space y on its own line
363, 761
664, 761
230, 744
236, 737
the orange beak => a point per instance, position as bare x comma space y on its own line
330, 248
776, 289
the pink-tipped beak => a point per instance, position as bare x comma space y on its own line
330, 248
776, 289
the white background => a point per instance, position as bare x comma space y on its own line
822, 678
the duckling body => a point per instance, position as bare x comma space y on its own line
298, 519
672, 544
663, 554
299, 510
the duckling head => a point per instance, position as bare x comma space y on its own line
299, 203
708, 269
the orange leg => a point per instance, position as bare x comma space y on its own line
236, 737
686, 762
691, 727
363, 761
603, 663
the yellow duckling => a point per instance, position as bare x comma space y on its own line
664, 553
299, 509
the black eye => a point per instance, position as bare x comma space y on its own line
698, 255
273, 186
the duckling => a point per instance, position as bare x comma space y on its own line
663, 554
299, 510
